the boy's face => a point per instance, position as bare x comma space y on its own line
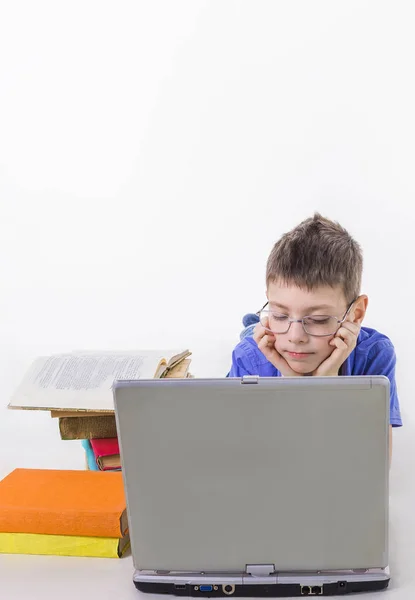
303, 352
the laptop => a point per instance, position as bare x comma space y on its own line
256, 486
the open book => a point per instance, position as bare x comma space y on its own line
82, 381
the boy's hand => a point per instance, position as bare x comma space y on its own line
266, 343
343, 343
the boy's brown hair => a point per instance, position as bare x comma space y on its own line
317, 252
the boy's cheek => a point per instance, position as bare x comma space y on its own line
325, 350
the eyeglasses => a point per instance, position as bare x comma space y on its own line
316, 325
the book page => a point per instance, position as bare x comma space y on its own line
82, 380
179, 370
59, 414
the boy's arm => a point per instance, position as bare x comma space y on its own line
241, 362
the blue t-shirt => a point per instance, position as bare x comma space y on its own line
374, 355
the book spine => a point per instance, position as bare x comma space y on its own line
114, 466
90, 456
59, 545
77, 523
86, 428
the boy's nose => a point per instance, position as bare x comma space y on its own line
296, 333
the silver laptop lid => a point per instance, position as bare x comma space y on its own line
228, 472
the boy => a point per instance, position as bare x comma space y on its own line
311, 324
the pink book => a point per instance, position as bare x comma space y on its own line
107, 453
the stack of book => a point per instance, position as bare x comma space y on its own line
67, 513
77, 390
102, 454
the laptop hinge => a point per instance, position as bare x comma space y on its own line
260, 570
250, 379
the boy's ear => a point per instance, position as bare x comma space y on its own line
357, 314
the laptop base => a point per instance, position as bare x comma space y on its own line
277, 585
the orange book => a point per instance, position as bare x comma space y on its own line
81, 503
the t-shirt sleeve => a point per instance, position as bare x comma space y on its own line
241, 362
381, 360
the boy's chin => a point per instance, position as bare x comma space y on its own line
302, 368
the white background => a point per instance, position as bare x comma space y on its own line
151, 153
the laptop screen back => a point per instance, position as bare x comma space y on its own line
291, 472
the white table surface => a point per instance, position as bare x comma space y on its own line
31, 439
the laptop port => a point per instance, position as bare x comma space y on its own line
228, 589
206, 588
305, 590
180, 586
317, 590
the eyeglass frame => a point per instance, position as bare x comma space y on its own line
339, 322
